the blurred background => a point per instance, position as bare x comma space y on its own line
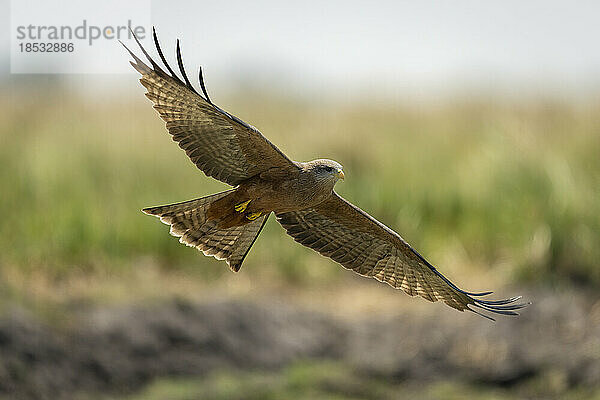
471, 128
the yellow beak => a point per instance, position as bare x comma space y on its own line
340, 173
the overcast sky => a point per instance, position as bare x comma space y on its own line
352, 46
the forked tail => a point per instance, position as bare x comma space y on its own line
190, 223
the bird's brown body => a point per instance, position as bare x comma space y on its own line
301, 195
276, 190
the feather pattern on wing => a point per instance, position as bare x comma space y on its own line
218, 143
341, 231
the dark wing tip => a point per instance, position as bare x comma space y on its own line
504, 307
478, 294
187, 82
154, 65
182, 69
162, 56
201, 79
142, 68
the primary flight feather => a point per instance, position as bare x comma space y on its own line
265, 181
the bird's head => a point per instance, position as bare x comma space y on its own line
326, 170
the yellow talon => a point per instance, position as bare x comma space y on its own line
242, 206
253, 216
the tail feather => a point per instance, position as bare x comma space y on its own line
189, 222
231, 244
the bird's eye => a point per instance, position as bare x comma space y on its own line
328, 169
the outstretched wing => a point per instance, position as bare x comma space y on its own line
220, 144
351, 237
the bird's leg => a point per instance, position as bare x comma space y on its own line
242, 206
253, 216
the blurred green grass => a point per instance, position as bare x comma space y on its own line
335, 381
490, 183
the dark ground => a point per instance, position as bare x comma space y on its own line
119, 350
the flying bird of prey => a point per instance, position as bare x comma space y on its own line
300, 194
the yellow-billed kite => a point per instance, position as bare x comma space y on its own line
265, 181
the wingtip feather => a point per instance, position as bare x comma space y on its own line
182, 69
